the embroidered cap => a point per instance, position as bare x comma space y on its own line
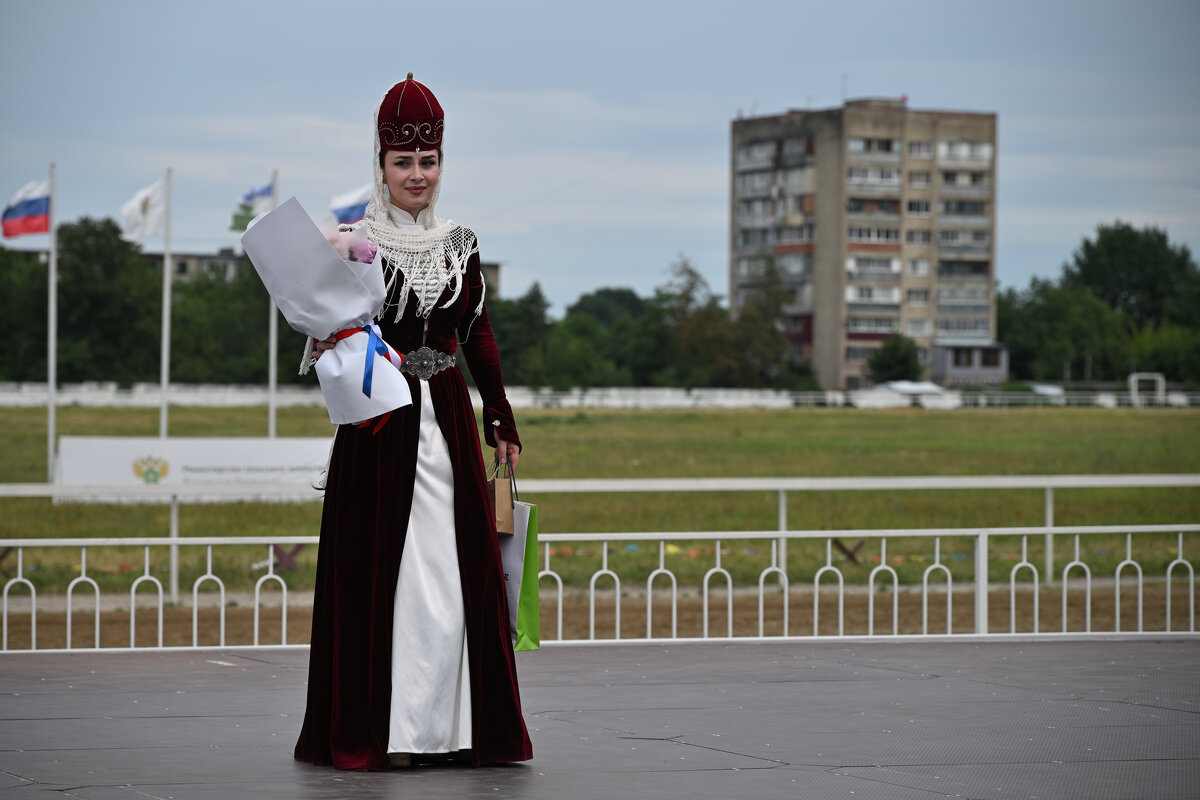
410, 118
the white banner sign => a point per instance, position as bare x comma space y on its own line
124, 460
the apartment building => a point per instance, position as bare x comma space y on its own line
879, 219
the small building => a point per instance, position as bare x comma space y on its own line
968, 362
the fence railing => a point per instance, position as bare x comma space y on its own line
148, 395
828, 583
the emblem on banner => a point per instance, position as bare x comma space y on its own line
150, 469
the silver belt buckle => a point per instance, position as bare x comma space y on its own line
425, 362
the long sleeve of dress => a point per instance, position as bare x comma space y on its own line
478, 344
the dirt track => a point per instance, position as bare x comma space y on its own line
239, 620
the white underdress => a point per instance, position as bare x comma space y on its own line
431, 682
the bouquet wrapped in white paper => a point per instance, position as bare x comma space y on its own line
320, 295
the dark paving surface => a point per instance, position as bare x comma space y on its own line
897, 721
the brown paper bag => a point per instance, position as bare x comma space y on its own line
500, 489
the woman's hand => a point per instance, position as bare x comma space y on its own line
322, 345
507, 452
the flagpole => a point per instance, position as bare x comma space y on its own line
272, 331
52, 337
164, 372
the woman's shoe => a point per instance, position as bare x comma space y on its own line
400, 760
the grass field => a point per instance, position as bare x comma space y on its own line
693, 443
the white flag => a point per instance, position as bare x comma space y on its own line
146, 214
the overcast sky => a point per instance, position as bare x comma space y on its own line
587, 144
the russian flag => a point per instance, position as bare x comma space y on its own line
29, 210
351, 206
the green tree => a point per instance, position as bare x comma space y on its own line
1139, 273
573, 355
1054, 331
23, 286
699, 337
630, 337
759, 330
109, 306
608, 305
896, 359
219, 332
521, 327
1172, 350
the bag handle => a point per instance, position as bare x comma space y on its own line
494, 473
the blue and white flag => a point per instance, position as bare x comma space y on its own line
253, 203
351, 206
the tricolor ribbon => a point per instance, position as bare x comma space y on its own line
375, 346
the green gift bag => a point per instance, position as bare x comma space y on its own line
519, 554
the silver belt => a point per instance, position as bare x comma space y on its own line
425, 362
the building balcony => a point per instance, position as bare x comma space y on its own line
743, 164
969, 248
963, 308
948, 160
872, 277
872, 217
868, 306
796, 159
853, 159
954, 190
959, 221
864, 189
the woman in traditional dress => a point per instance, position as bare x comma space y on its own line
411, 651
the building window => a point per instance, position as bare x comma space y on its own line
963, 208
755, 154
975, 151
917, 327
963, 357
795, 234
923, 356
858, 354
753, 237
860, 145
918, 208
957, 238
794, 263
979, 179
878, 295
797, 146
920, 149
918, 266
918, 297
963, 269
918, 237
963, 297
873, 235
873, 176
963, 326
989, 357
753, 183
864, 265
919, 177
873, 324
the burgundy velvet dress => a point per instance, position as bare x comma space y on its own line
363, 527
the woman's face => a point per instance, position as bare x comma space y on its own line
411, 178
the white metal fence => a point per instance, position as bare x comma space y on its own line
828, 586
147, 395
